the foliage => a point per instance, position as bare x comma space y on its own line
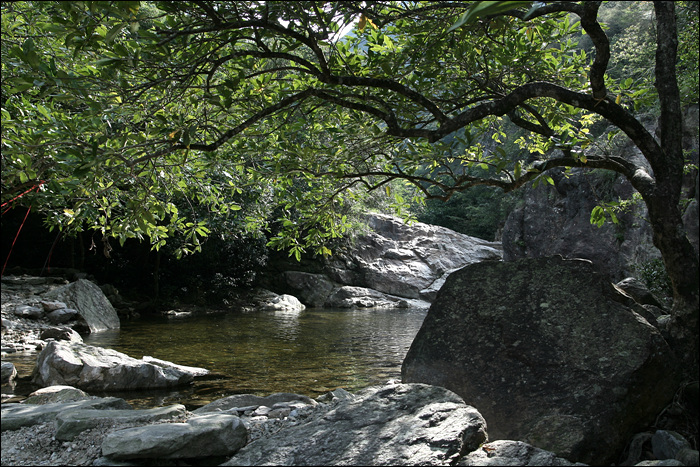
124, 112
688, 51
479, 212
653, 274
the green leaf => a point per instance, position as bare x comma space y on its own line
112, 33
485, 8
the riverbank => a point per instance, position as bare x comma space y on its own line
36, 444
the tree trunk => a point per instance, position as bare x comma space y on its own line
664, 212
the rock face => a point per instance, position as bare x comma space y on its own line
547, 351
556, 219
403, 424
395, 260
89, 301
97, 369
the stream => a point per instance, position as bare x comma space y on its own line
263, 352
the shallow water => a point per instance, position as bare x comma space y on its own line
262, 352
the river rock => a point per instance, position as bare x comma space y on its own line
52, 305
71, 423
547, 351
61, 334
506, 452
62, 316
97, 369
284, 302
87, 298
252, 401
666, 444
9, 372
193, 370
15, 416
313, 289
401, 424
203, 436
29, 312
55, 394
362, 297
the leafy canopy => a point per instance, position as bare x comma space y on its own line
148, 119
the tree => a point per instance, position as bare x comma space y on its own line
199, 99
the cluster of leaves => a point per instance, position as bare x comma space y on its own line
653, 274
152, 120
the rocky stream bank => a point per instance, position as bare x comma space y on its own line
394, 424
536, 362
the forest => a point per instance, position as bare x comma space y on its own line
162, 129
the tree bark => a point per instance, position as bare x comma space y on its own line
669, 235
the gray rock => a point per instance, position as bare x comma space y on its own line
666, 444
688, 456
547, 352
54, 305
555, 220
362, 297
404, 424
336, 394
661, 463
56, 394
15, 416
250, 400
62, 316
9, 372
404, 260
638, 292
283, 302
61, 334
193, 370
312, 289
29, 312
203, 436
71, 423
97, 369
91, 303
505, 452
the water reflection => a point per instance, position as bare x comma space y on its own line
308, 352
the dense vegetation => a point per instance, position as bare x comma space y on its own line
171, 121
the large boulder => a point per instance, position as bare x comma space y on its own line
97, 369
89, 301
401, 424
549, 352
394, 258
